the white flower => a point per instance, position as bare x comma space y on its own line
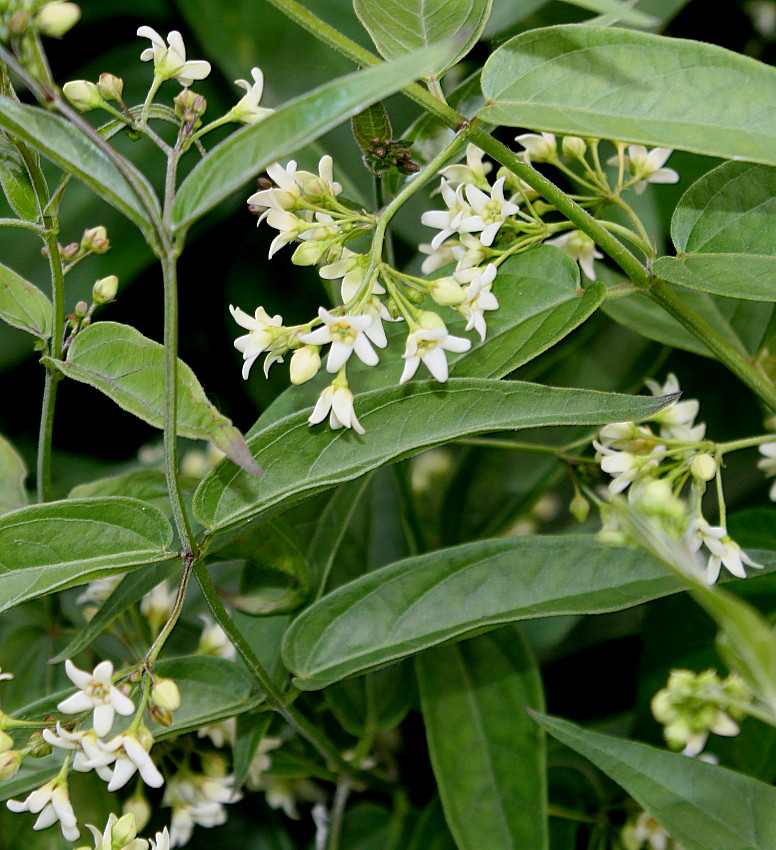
261, 761
162, 841
285, 194
119, 834
156, 605
473, 172
97, 591
53, 803
646, 167
478, 297
580, 247
221, 733
170, 61
538, 147
676, 420
459, 217
97, 692
647, 831
724, 551
321, 185
336, 402
214, 641
428, 344
197, 800
346, 335
625, 467
247, 109
5, 676
262, 333
768, 465
131, 755
491, 211
289, 227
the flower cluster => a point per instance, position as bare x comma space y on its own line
645, 833
655, 466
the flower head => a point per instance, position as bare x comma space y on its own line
262, 333
170, 58
131, 754
51, 802
213, 640
478, 297
247, 109
97, 691
427, 343
336, 402
459, 217
646, 166
119, 834
346, 335
491, 211
580, 247
473, 172
724, 551
538, 147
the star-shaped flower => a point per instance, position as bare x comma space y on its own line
646, 166
539, 147
346, 335
247, 109
336, 402
478, 297
52, 801
473, 172
97, 692
263, 330
459, 217
427, 344
491, 211
580, 247
724, 551
131, 755
170, 58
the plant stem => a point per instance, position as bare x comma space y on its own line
177, 607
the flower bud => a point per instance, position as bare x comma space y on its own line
165, 694
83, 95
429, 319
214, 764
124, 831
703, 467
6, 742
55, 19
105, 289
18, 24
308, 253
81, 309
10, 762
305, 363
71, 251
162, 716
111, 87
138, 806
447, 292
573, 147
189, 105
41, 750
579, 507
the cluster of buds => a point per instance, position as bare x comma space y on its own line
53, 19
94, 241
86, 95
382, 154
655, 468
692, 705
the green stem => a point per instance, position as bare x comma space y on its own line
338, 814
746, 443
177, 607
20, 222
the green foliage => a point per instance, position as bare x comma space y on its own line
23, 305
13, 473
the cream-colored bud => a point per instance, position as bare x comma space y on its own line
573, 146
92, 235
55, 19
6, 742
429, 319
162, 716
447, 292
111, 87
305, 364
308, 253
10, 762
124, 831
105, 289
138, 806
214, 764
703, 467
83, 95
165, 694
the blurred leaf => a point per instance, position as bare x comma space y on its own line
23, 305
251, 729
13, 474
753, 528
724, 229
431, 831
251, 149
16, 181
399, 26
366, 826
636, 87
129, 368
482, 763
423, 601
621, 12
702, 806
60, 544
67, 147
403, 420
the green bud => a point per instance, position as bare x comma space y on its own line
55, 19
573, 147
447, 292
105, 289
18, 24
166, 695
579, 507
6, 742
124, 832
703, 467
83, 95
81, 309
429, 319
111, 87
214, 764
10, 762
305, 363
308, 253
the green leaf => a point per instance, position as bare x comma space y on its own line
724, 229
148, 485
431, 832
486, 751
423, 601
400, 421
132, 588
67, 147
23, 305
635, 87
703, 806
250, 150
129, 368
618, 11
251, 728
399, 26
60, 544
16, 181
13, 474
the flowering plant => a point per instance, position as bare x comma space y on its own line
237, 631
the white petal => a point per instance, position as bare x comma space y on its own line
123, 704
436, 363
712, 569
456, 343
102, 719
410, 367
46, 818
80, 678
364, 351
339, 353
123, 771
196, 69
320, 336
75, 704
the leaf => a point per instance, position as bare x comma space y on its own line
131, 589
250, 150
636, 87
724, 229
399, 26
431, 832
251, 729
23, 305
129, 368
400, 421
618, 11
703, 806
148, 485
16, 181
13, 474
468, 691
56, 545
67, 147
423, 601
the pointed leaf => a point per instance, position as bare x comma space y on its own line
724, 229
23, 305
399, 26
16, 181
250, 150
60, 544
487, 753
617, 10
13, 474
703, 806
129, 368
399, 422
423, 601
636, 87
67, 147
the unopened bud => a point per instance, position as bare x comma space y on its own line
10, 762
41, 750
55, 19
308, 253
138, 806
214, 764
81, 309
70, 251
6, 742
111, 87
573, 146
18, 23
165, 694
305, 363
124, 831
105, 289
579, 507
189, 105
93, 236
413, 296
83, 95
429, 319
703, 467
447, 292
162, 716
